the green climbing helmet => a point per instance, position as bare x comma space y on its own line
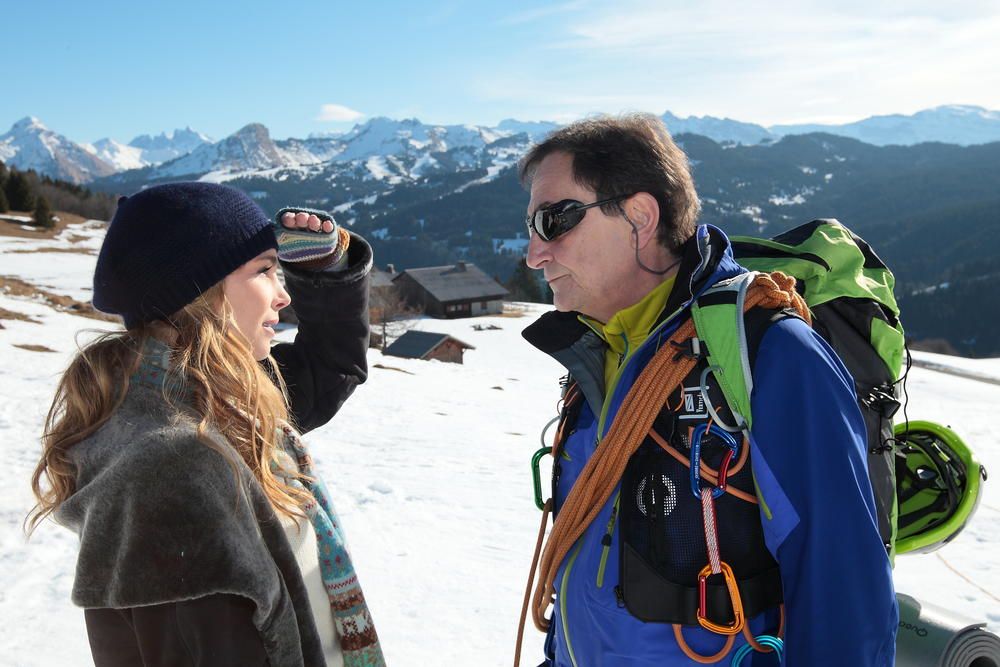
938, 482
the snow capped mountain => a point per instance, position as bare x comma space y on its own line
718, 129
250, 149
404, 151
120, 156
30, 145
385, 136
379, 150
407, 150
165, 147
950, 124
535, 129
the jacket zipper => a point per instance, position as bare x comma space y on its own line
572, 560
569, 566
600, 436
606, 540
762, 248
608, 394
562, 602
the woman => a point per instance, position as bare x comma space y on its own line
205, 537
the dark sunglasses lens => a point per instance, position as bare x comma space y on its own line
557, 219
538, 224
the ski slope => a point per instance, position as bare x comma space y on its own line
428, 464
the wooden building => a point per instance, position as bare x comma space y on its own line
460, 290
428, 345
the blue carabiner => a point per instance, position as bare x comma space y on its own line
728, 440
768, 641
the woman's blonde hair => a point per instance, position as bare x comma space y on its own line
222, 384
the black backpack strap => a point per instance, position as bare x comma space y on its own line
757, 321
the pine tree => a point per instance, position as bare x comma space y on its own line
523, 284
4, 206
43, 214
19, 194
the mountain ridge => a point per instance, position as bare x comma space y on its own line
411, 140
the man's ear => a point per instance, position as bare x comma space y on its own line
644, 212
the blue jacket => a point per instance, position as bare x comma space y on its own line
808, 455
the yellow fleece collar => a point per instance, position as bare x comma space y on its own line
629, 327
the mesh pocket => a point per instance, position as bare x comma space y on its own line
662, 536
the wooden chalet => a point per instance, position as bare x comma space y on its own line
428, 345
460, 290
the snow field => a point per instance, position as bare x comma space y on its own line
431, 477
429, 468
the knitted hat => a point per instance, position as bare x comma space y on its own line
169, 243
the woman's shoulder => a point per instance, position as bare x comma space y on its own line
162, 515
148, 439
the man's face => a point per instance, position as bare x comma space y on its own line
589, 267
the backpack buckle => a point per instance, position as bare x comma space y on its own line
688, 349
882, 402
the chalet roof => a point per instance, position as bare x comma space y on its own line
418, 344
380, 278
458, 282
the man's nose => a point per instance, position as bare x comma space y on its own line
538, 252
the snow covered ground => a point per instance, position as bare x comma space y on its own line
428, 465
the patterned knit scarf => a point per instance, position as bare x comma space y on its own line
358, 640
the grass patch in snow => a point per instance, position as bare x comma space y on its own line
21, 288
12, 315
33, 348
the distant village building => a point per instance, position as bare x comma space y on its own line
387, 311
381, 281
517, 247
428, 345
462, 290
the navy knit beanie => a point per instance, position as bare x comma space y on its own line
169, 243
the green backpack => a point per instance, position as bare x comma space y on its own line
849, 291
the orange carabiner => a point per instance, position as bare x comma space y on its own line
734, 597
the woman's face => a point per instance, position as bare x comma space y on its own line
256, 296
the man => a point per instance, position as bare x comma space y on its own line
612, 219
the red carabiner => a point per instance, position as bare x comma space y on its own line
724, 471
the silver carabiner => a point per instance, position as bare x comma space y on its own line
741, 426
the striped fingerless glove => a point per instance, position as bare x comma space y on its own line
309, 250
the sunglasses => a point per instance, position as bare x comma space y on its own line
554, 220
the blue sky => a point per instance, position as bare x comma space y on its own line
100, 68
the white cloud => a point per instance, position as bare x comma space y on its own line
773, 62
338, 113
